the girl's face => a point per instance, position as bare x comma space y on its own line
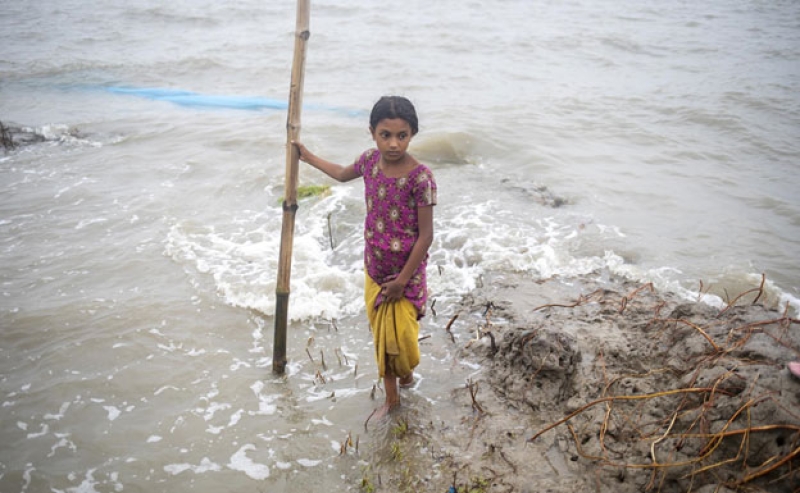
392, 136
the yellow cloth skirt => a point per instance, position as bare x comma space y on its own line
395, 331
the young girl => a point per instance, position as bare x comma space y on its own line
400, 194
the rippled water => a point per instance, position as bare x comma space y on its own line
140, 242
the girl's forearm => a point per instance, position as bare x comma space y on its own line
335, 171
331, 169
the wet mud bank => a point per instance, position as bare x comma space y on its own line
601, 384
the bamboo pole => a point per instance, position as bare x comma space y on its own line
282, 289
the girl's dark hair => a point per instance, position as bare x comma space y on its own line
394, 107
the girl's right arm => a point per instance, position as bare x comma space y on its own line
335, 171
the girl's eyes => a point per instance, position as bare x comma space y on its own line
401, 136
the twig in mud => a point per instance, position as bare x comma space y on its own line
322, 357
333, 323
629, 297
347, 443
330, 231
370, 417
310, 357
319, 376
698, 329
662, 437
427, 336
488, 311
528, 337
338, 358
770, 468
513, 467
581, 300
355, 370
491, 339
700, 292
538, 370
450, 324
786, 313
310, 341
473, 390
604, 427
578, 446
433, 309
657, 312
759, 290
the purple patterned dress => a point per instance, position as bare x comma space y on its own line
391, 227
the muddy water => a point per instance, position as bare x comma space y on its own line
139, 242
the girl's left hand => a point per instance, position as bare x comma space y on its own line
393, 290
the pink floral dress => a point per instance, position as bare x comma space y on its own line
391, 227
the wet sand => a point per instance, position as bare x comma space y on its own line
661, 394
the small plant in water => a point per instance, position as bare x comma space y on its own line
307, 191
400, 430
367, 486
478, 485
397, 452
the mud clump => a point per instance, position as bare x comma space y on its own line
533, 362
601, 384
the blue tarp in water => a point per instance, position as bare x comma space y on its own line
188, 98
195, 100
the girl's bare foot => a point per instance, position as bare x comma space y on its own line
385, 409
381, 412
392, 398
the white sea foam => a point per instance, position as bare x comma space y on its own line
265, 402
315, 394
87, 485
213, 407
206, 465
63, 442
44, 430
88, 222
165, 387
235, 417
61, 412
323, 421
243, 265
308, 462
113, 412
241, 462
